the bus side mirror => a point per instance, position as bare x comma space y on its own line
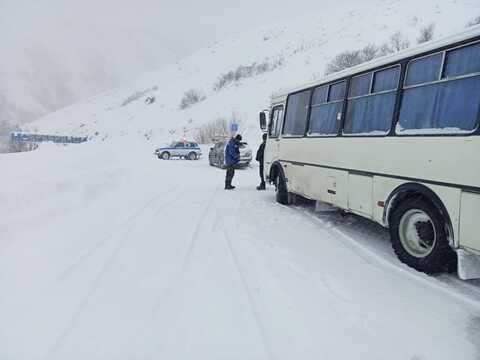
263, 121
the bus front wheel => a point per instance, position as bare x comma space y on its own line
419, 237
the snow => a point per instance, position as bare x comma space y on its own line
107, 252
113, 254
368, 133
436, 131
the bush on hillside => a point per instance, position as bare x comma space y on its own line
137, 95
190, 98
426, 34
344, 60
247, 71
6, 128
397, 42
216, 129
350, 58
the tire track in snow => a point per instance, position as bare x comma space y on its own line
251, 300
193, 239
99, 277
174, 287
250, 297
323, 283
125, 223
371, 256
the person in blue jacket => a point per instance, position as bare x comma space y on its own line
232, 157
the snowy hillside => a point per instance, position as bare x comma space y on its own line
293, 53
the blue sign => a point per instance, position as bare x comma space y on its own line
233, 127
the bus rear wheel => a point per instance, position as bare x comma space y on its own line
419, 237
281, 193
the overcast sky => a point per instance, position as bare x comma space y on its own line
76, 48
179, 25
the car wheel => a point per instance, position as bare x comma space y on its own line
192, 156
165, 155
419, 237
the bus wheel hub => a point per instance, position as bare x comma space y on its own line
417, 233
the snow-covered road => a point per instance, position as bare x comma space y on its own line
110, 254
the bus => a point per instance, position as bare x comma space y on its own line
395, 140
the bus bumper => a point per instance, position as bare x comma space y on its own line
468, 267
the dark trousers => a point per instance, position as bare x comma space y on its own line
229, 175
260, 168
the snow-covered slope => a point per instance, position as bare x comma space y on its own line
298, 50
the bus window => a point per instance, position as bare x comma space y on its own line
327, 111
320, 95
371, 112
386, 80
360, 85
296, 116
447, 106
275, 122
279, 120
337, 91
462, 61
424, 70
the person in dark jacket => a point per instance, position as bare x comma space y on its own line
232, 157
259, 158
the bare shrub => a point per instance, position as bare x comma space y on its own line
247, 71
5, 129
351, 58
216, 129
396, 43
190, 98
426, 34
369, 52
137, 95
343, 61
6, 145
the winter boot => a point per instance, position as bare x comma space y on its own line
261, 186
229, 187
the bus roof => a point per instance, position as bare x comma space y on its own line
472, 32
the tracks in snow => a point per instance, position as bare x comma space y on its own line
251, 299
125, 227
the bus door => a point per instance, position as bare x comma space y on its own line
272, 148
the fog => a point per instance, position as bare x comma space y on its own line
55, 52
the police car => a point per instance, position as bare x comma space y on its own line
180, 149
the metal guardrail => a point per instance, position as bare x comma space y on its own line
35, 138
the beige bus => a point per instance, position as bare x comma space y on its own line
395, 140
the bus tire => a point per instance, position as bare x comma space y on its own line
281, 193
419, 237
